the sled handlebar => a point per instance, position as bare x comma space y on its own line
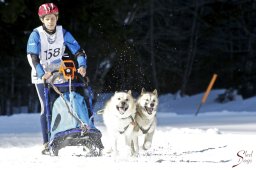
52, 72
84, 80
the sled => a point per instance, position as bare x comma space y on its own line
69, 111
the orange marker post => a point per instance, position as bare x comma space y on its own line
206, 94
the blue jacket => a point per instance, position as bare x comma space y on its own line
34, 48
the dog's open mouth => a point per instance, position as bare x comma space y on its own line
149, 109
122, 109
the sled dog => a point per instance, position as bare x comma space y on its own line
145, 120
118, 117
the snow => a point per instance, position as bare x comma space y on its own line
222, 135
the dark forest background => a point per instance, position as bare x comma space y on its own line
174, 46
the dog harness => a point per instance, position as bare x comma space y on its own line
126, 127
144, 131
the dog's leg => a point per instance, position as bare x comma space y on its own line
115, 149
109, 147
148, 140
136, 146
112, 144
132, 148
129, 139
129, 143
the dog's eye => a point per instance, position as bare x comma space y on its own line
127, 100
119, 98
154, 100
147, 100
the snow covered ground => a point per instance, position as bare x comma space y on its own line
221, 136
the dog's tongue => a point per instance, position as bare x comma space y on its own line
122, 109
149, 110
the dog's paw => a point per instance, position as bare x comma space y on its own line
116, 154
147, 145
135, 155
108, 150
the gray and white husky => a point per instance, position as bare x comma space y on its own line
145, 120
118, 116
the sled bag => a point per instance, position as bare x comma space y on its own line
62, 120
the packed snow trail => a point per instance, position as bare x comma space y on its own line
174, 145
220, 137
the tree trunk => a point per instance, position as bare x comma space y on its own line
152, 53
191, 51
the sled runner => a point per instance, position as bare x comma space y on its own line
70, 112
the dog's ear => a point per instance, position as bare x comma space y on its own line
155, 92
143, 90
130, 92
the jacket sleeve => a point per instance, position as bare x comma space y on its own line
75, 49
33, 49
35, 64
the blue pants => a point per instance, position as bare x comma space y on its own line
40, 93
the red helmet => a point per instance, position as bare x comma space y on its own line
48, 8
